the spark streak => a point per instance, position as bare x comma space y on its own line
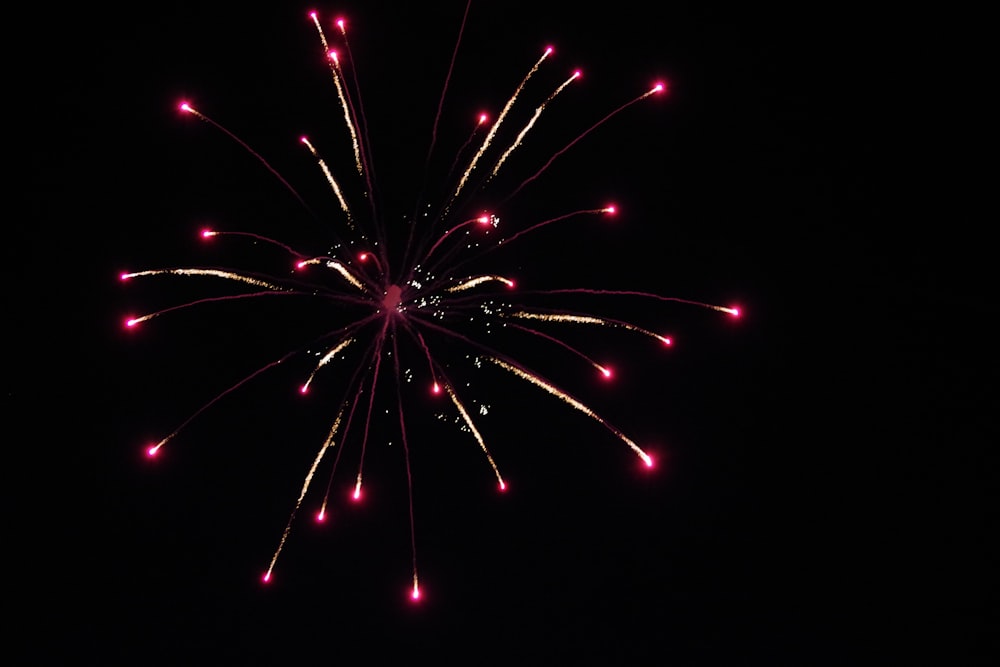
531, 123
475, 433
329, 442
569, 400
589, 319
496, 125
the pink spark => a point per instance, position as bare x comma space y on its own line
436, 389
511, 284
415, 594
363, 257
312, 15
267, 577
333, 56
304, 139
503, 485
301, 265
483, 118
484, 219
610, 209
549, 50
321, 516
648, 460
304, 389
184, 106
123, 276
667, 341
151, 452
659, 87
207, 233
357, 492
734, 311
131, 322
340, 24
606, 372
577, 74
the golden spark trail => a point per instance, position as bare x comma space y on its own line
335, 70
332, 181
336, 266
319, 29
587, 319
337, 76
531, 123
475, 433
302, 494
569, 400
228, 275
496, 125
324, 361
479, 280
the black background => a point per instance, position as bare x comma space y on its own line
821, 493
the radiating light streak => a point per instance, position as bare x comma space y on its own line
469, 283
327, 358
187, 108
531, 123
569, 400
329, 442
496, 125
475, 433
332, 181
589, 319
216, 273
337, 266
594, 211
655, 89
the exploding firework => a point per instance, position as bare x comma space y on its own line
407, 294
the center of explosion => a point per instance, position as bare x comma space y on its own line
391, 300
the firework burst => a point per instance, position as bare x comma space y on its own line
407, 294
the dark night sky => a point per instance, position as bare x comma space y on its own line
802, 513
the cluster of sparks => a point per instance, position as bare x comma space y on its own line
418, 292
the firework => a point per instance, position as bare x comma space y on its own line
410, 284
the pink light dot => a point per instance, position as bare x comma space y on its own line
267, 577
483, 118
357, 494
320, 516
340, 24
659, 87
304, 389
610, 209
151, 452
312, 15
503, 485
415, 594
436, 389
511, 284
131, 322
123, 276
207, 233
648, 460
577, 74
184, 106
363, 257
304, 139
484, 219
734, 311
549, 50
300, 265
333, 56
606, 372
